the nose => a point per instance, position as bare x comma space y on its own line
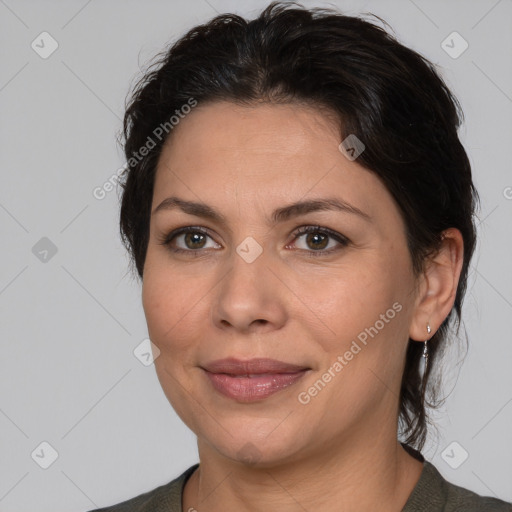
249, 298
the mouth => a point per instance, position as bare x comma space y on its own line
257, 366
252, 380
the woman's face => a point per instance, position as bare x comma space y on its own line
250, 283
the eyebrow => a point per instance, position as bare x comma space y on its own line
279, 215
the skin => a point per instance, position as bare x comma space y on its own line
340, 450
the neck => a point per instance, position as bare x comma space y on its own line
378, 475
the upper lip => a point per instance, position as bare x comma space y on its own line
256, 366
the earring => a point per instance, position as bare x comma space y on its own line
425, 350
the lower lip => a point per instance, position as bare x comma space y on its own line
251, 389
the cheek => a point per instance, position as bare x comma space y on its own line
176, 307
165, 303
365, 302
173, 313
367, 310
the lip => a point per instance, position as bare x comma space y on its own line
252, 380
257, 366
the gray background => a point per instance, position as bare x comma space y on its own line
70, 324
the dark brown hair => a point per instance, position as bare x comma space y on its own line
386, 94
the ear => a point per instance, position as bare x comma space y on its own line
438, 286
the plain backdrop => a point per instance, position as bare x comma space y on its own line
70, 314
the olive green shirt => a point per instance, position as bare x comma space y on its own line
432, 493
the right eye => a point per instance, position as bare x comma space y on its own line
192, 240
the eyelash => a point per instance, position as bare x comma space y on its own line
343, 241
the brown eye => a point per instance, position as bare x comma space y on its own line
317, 240
189, 239
194, 240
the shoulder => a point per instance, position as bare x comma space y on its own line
434, 493
165, 498
460, 499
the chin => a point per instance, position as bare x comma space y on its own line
258, 451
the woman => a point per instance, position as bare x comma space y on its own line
300, 210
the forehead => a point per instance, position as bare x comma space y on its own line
277, 129
266, 153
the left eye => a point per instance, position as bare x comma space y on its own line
319, 239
